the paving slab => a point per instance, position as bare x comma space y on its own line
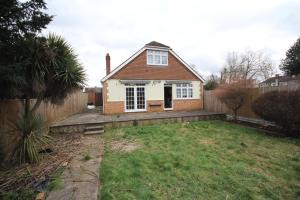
81, 177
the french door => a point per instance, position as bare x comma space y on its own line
135, 99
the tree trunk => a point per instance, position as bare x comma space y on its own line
36, 105
27, 110
235, 115
27, 106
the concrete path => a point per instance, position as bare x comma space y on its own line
81, 177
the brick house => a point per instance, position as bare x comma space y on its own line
154, 79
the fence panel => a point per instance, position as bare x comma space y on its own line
211, 103
11, 110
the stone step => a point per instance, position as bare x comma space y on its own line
94, 127
95, 132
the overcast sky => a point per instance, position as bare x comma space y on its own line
201, 32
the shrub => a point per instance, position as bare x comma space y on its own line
281, 107
233, 95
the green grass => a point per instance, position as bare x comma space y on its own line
56, 182
200, 160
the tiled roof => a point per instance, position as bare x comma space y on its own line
93, 89
281, 79
156, 44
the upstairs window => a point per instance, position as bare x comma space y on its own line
184, 91
155, 57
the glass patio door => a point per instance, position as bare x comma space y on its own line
135, 99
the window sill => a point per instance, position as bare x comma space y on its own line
157, 65
136, 110
186, 99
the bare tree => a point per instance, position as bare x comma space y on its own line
249, 65
256, 65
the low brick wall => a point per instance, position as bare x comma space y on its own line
76, 128
79, 128
141, 122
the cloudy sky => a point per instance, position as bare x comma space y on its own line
201, 32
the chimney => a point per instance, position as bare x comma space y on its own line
107, 58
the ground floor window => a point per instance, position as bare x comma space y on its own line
184, 91
135, 98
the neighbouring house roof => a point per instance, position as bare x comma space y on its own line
153, 45
93, 89
281, 79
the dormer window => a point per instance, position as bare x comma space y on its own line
155, 57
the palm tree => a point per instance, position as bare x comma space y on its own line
50, 71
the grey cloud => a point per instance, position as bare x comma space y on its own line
201, 32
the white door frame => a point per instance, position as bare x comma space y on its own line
135, 99
171, 86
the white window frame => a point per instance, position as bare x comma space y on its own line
187, 87
159, 53
135, 98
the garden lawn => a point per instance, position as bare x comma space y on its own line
199, 160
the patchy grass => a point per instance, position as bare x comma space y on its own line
87, 156
200, 160
56, 182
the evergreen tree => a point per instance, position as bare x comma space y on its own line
19, 24
291, 64
33, 67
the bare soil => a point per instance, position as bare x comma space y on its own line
36, 176
124, 146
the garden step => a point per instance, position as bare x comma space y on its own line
95, 127
94, 132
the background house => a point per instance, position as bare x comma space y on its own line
277, 81
154, 79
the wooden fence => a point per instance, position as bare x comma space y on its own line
213, 104
11, 110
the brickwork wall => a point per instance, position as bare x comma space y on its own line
138, 69
190, 104
155, 106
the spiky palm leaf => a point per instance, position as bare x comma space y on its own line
33, 138
66, 73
